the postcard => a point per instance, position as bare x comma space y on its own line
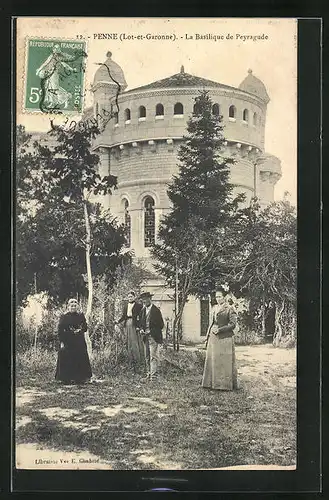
156, 244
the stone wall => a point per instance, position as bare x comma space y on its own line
171, 125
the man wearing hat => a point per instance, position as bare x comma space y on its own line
151, 325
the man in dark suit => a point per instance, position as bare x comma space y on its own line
151, 325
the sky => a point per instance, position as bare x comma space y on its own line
272, 58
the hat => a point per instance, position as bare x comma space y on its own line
73, 301
145, 295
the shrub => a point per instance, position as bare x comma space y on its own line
112, 360
289, 341
107, 306
37, 362
182, 361
48, 329
42, 331
24, 334
244, 336
109, 361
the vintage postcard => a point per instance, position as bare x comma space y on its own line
156, 245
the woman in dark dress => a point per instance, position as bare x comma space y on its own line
73, 365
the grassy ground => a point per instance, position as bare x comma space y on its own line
171, 424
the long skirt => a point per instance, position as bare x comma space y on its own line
73, 363
134, 343
220, 367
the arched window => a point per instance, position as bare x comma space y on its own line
245, 115
178, 108
232, 111
142, 112
215, 109
255, 119
149, 222
127, 114
127, 221
116, 118
159, 110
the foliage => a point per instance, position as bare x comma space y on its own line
111, 359
50, 250
32, 363
191, 253
247, 336
26, 173
265, 268
24, 334
109, 302
56, 223
70, 165
32, 332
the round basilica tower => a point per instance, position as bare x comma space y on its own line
140, 144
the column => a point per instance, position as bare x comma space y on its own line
135, 222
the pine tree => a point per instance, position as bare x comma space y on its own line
202, 187
191, 252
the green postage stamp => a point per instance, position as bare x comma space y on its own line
55, 73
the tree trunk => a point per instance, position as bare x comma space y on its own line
103, 325
278, 327
167, 334
36, 326
88, 261
177, 327
175, 335
35, 343
263, 319
293, 324
89, 274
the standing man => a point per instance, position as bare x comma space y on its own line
151, 325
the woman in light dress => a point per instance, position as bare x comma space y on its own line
131, 318
220, 371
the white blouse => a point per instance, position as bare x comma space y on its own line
130, 309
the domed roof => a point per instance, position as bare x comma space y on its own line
110, 72
255, 86
180, 79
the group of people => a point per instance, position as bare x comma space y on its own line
143, 324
